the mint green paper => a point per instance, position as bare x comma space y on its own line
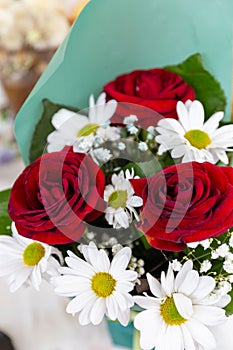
115, 36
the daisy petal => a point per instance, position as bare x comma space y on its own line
197, 115
155, 286
149, 324
205, 286
189, 284
210, 316
184, 305
188, 265
146, 302
183, 115
201, 334
98, 311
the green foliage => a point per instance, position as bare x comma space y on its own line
208, 89
229, 307
150, 168
5, 221
44, 128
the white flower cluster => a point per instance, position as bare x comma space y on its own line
85, 133
35, 23
214, 249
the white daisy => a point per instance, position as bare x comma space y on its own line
71, 126
121, 202
192, 139
99, 287
179, 314
25, 261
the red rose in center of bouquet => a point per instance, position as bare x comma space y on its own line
186, 203
157, 89
54, 197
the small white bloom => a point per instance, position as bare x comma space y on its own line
121, 146
151, 133
206, 243
141, 262
140, 270
101, 155
121, 202
230, 278
179, 315
130, 120
214, 254
142, 146
112, 241
90, 235
133, 130
228, 266
229, 256
151, 130
205, 266
192, 139
231, 241
223, 288
193, 245
116, 248
223, 250
71, 126
84, 144
26, 261
99, 287
176, 265
109, 133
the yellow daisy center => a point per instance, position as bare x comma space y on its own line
87, 130
198, 138
118, 199
103, 284
170, 314
33, 253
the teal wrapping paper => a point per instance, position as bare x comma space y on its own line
121, 336
112, 37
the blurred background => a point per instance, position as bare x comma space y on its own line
30, 33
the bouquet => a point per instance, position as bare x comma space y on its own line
127, 205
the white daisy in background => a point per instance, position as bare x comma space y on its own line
73, 128
99, 287
25, 261
192, 139
178, 315
121, 202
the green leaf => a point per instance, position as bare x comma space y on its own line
44, 128
150, 168
229, 307
208, 89
5, 220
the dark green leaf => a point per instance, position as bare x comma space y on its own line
44, 128
5, 221
208, 89
229, 307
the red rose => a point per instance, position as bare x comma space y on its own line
157, 89
186, 203
54, 197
